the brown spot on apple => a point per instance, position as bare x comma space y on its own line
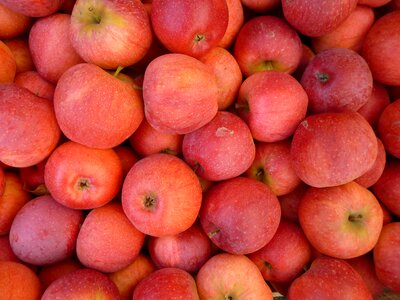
322, 77
355, 218
83, 184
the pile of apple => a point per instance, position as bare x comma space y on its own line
199, 149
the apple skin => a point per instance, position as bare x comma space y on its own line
48, 274
2, 181
194, 28
290, 202
44, 231
306, 57
33, 178
28, 128
387, 188
272, 165
127, 157
267, 43
51, 49
188, 250
166, 283
342, 221
8, 64
19, 47
316, 18
235, 22
36, 84
12, 24
180, 94
329, 278
35, 8
240, 215
82, 284
350, 33
80, 177
337, 80
221, 149
243, 281
284, 257
261, 5
386, 256
389, 129
17, 281
161, 195
102, 112
379, 49
6, 253
109, 33
272, 104
107, 240
331, 149
373, 3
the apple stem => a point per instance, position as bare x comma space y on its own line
96, 18
211, 234
119, 69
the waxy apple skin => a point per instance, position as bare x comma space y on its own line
12, 24
35, 8
389, 129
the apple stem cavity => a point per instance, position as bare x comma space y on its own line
243, 106
96, 18
260, 174
355, 218
228, 297
118, 70
199, 37
211, 234
83, 184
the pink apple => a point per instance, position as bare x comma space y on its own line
261, 5
161, 195
180, 94
342, 221
110, 33
229, 276
221, 149
32, 81
189, 27
235, 22
8, 64
28, 128
389, 128
331, 149
12, 24
101, 112
80, 177
37, 8
267, 43
19, 47
337, 80
272, 104
240, 215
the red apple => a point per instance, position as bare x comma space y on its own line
96, 109
379, 49
337, 80
342, 221
19, 47
44, 231
82, 284
229, 276
2, 181
110, 33
50, 273
12, 24
389, 129
290, 202
32, 81
285, 256
33, 178
272, 165
307, 56
189, 27
315, 18
240, 215
235, 22
331, 149
6, 252
329, 278
267, 43
373, 3
28, 127
221, 149
161, 195
166, 283
261, 5
127, 157
8, 64
36, 8
272, 104
80, 177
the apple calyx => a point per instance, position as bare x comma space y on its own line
355, 218
322, 77
198, 38
260, 174
83, 184
228, 297
150, 202
243, 106
267, 265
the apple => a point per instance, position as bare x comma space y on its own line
9, 66
315, 18
28, 128
80, 177
127, 157
36, 84
342, 221
109, 33
50, 46
290, 202
229, 276
12, 24
350, 33
227, 73
373, 3
17, 281
337, 80
306, 57
2, 181
261, 5
102, 112
188, 250
44, 231
161, 195
180, 94
331, 149
37, 8
166, 283
82, 284
6, 252
389, 129
235, 22
272, 104
240, 215
329, 278
19, 47
33, 178
189, 27
221, 149
272, 165
284, 257
379, 49
267, 43
49, 273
